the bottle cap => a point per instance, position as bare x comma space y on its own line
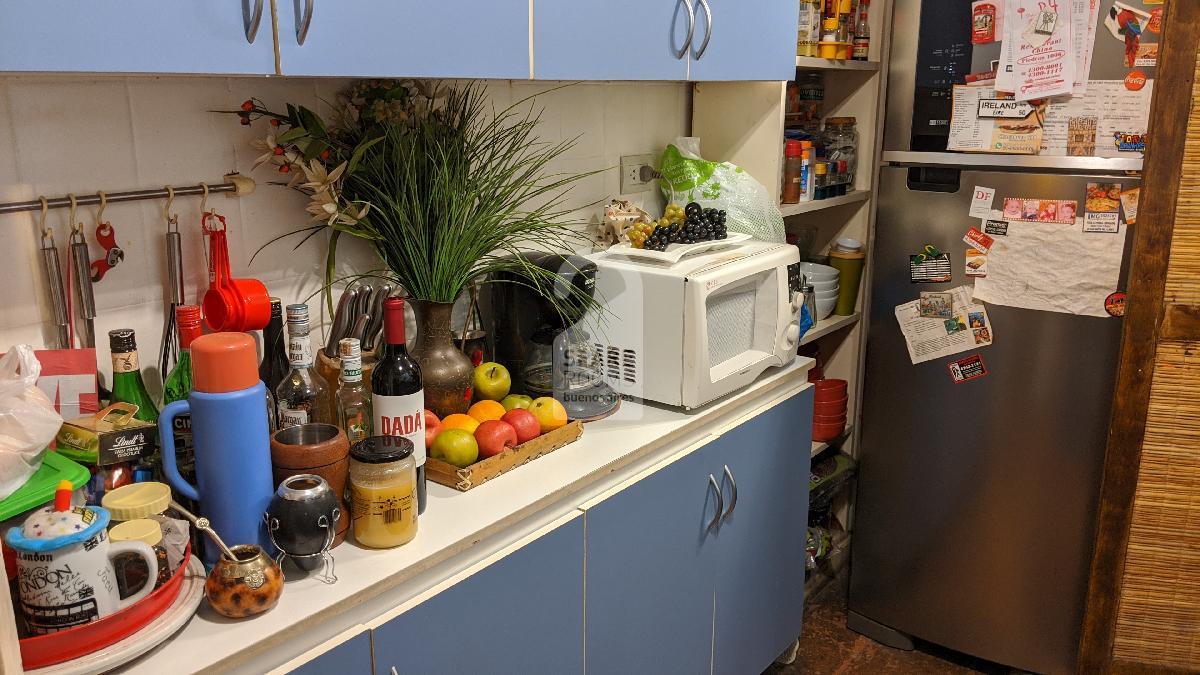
807, 145
381, 449
143, 530
806, 154
821, 167
276, 308
223, 362
393, 321
121, 341
297, 313
349, 348
187, 318
792, 149
137, 500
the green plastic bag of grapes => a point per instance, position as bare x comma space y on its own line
720, 185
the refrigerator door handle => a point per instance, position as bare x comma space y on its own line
733, 500
720, 502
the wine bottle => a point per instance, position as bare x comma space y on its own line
302, 396
179, 384
353, 399
128, 386
397, 397
274, 366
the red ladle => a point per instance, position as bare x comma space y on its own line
236, 305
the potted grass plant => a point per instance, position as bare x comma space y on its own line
446, 189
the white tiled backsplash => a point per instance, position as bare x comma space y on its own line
82, 134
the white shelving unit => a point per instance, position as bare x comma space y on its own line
852, 197
821, 446
829, 325
834, 64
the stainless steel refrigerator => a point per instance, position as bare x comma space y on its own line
975, 506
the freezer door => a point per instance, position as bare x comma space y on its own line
976, 501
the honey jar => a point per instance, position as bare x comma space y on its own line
383, 496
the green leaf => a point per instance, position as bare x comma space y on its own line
291, 136
358, 153
312, 123
315, 147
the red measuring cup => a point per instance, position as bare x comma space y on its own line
230, 304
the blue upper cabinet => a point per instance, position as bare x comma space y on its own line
136, 36
611, 39
405, 38
744, 40
760, 580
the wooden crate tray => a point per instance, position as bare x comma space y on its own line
484, 470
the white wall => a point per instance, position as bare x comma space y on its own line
61, 134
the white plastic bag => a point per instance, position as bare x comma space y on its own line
28, 421
750, 207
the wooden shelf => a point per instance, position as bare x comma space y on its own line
818, 446
852, 197
828, 325
834, 64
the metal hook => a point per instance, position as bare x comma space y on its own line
103, 204
204, 199
47, 233
172, 219
76, 227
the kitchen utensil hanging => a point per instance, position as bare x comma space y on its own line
54, 282
81, 267
106, 236
230, 304
168, 347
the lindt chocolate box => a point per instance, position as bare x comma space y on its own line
111, 436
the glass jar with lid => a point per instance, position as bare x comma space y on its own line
383, 491
841, 143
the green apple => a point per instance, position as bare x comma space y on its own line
456, 446
515, 401
492, 381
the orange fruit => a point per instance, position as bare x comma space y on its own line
461, 421
550, 413
487, 410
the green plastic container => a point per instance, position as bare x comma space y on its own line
40, 487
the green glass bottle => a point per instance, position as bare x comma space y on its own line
127, 375
179, 384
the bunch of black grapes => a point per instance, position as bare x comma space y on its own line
699, 224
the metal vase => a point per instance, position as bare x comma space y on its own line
446, 372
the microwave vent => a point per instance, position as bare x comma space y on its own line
616, 364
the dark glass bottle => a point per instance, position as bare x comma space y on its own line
128, 386
397, 397
274, 366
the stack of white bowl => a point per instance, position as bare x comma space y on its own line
824, 280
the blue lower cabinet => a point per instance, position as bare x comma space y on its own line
761, 540
650, 572
352, 657
521, 614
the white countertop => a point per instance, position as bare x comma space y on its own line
456, 530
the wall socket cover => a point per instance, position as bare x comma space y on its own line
632, 180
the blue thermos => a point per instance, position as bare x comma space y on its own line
231, 439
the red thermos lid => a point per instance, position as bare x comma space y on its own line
224, 362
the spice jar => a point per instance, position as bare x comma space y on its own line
841, 143
383, 497
150, 501
131, 571
791, 172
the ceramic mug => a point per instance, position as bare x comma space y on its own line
69, 580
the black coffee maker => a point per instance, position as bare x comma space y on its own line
545, 345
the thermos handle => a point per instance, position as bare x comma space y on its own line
166, 441
142, 550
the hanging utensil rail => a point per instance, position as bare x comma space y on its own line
236, 184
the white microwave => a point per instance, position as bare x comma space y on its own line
688, 333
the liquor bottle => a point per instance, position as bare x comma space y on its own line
862, 34
274, 366
353, 399
302, 396
179, 384
128, 386
397, 397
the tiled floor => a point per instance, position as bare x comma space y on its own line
827, 647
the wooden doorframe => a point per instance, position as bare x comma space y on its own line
1144, 326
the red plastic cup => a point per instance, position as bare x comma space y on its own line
830, 407
830, 390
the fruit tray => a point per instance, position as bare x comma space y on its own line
484, 470
675, 252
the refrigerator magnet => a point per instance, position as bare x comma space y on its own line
923, 269
1114, 304
933, 305
978, 240
976, 263
1101, 222
996, 227
985, 18
981, 199
968, 368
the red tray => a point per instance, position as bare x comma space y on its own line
72, 643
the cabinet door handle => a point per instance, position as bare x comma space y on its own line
707, 30
733, 501
720, 502
687, 42
394, 671
251, 18
303, 19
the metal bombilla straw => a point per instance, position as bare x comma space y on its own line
203, 525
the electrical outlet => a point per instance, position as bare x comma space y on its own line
633, 178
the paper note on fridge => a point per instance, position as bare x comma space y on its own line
929, 339
1052, 267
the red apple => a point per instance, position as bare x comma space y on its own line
433, 426
525, 424
494, 437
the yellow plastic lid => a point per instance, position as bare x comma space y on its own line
137, 500
142, 529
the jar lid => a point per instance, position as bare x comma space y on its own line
381, 449
48, 530
840, 120
847, 255
848, 244
142, 529
137, 500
